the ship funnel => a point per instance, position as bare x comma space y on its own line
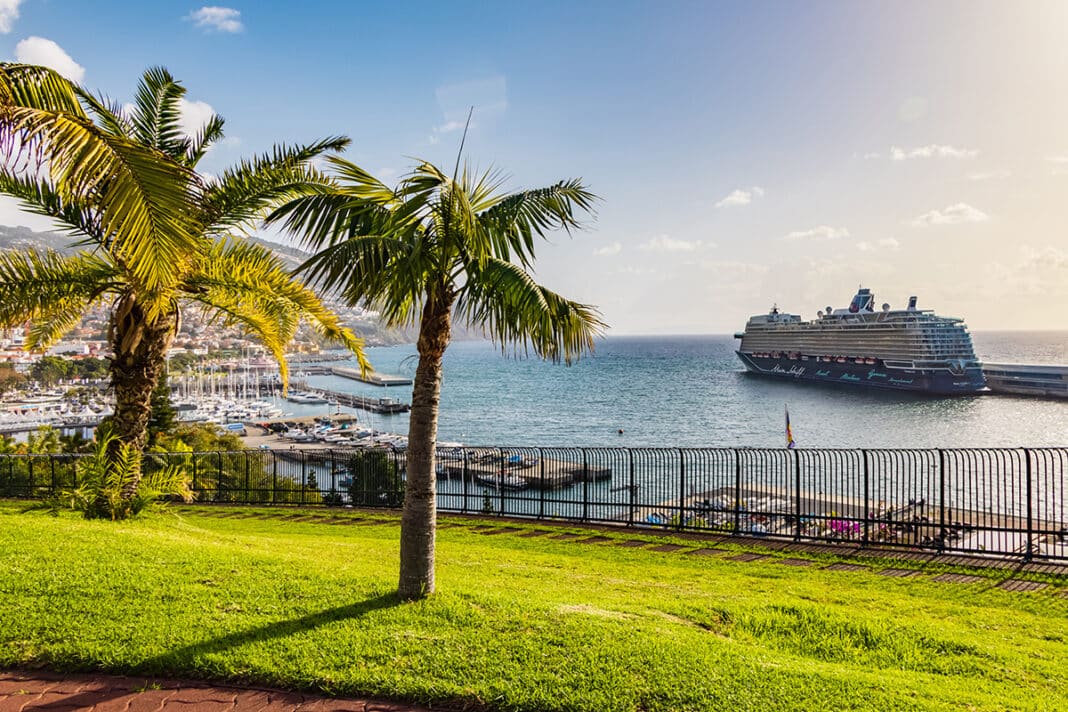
912, 303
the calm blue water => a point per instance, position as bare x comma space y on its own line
693, 392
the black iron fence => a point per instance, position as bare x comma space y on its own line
1004, 502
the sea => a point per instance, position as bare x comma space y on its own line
692, 391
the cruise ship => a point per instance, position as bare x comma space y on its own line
907, 349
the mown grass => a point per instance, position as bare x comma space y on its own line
519, 623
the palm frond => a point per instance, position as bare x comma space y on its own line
384, 273
142, 202
248, 285
515, 220
108, 114
515, 311
209, 133
157, 113
34, 87
245, 193
40, 197
50, 286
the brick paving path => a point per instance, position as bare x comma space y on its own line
54, 692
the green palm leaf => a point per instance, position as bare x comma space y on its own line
245, 193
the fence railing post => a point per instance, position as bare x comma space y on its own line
1030, 553
682, 490
333, 476
585, 487
303, 473
941, 499
737, 490
797, 493
218, 471
248, 478
52, 465
500, 484
274, 478
541, 482
631, 488
867, 499
463, 481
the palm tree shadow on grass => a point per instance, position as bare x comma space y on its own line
183, 660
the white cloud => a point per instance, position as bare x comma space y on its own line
822, 232
989, 175
194, 115
9, 12
217, 19
614, 249
740, 196
951, 215
38, 50
663, 243
886, 243
931, 151
488, 97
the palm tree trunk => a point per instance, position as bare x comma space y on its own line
139, 356
419, 520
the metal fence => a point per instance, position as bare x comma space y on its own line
1003, 502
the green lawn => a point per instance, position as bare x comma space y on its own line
519, 623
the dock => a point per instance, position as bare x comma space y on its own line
375, 379
491, 470
1027, 379
384, 406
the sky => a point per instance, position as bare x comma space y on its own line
745, 154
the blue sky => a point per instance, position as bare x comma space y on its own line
745, 153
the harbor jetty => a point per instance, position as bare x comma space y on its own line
1027, 379
375, 379
503, 471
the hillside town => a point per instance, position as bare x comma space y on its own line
199, 335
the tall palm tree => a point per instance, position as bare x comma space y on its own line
157, 235
430, 250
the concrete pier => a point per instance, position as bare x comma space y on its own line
375, 379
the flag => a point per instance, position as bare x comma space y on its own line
789, 433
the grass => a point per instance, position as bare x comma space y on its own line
519, 623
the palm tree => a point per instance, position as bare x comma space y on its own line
158, 235
434, 249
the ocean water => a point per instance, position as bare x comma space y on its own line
691, 391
